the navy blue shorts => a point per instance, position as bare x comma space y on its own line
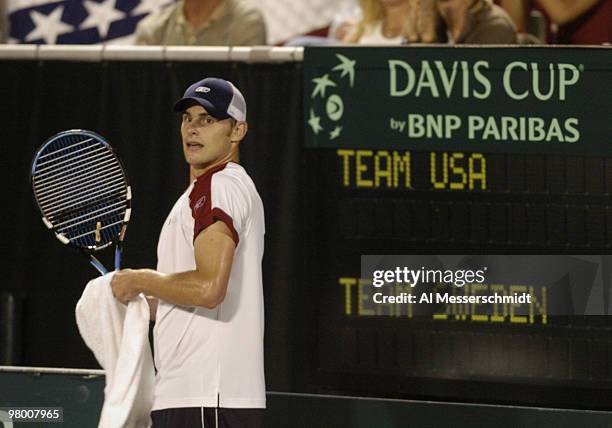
208, 417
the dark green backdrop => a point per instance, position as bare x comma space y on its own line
130, 103
312, 225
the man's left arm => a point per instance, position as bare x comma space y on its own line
205, 286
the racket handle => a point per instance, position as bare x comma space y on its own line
99, 266
118, 256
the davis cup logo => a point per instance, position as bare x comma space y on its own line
327, 108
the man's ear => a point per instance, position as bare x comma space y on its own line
239, 131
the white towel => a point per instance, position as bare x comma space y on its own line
118, 337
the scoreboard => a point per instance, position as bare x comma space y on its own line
469, 200
387, 176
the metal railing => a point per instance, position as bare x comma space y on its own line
51, 370
97, 53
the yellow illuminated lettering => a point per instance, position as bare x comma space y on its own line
348, 283
477, 170
463, 307
541, 307
380, 173
519, 319
434, 176
475, 288
447, 307
346, 166
498, 289
401, 164
361, 168
457, 170
364, 285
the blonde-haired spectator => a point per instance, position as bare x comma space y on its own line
392, 22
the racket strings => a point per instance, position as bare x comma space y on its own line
81, 190
66, 155
106, 216
81, 200
89, 155
87, 207
94, 161
117, 206
55, 149
62, 193
77, 178
107, 236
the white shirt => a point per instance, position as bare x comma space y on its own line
213, 357
372, 35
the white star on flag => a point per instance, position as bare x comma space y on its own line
101, 15
48, 27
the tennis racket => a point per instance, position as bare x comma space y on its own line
82, 192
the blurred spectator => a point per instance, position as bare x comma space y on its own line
3, 21
476, 22
345, 20
204, 23
573, 21
392, 22
523, 14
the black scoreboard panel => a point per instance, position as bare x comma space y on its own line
413, 202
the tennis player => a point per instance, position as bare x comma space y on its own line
208, 335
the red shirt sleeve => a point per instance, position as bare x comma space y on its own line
204, 211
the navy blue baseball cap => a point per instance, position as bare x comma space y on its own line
219, 97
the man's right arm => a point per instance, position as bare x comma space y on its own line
205, 286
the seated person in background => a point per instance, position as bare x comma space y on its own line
576, 21
348, 14
476, 22
393, 22
3, 22
204, 23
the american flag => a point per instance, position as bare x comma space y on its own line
77, 21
